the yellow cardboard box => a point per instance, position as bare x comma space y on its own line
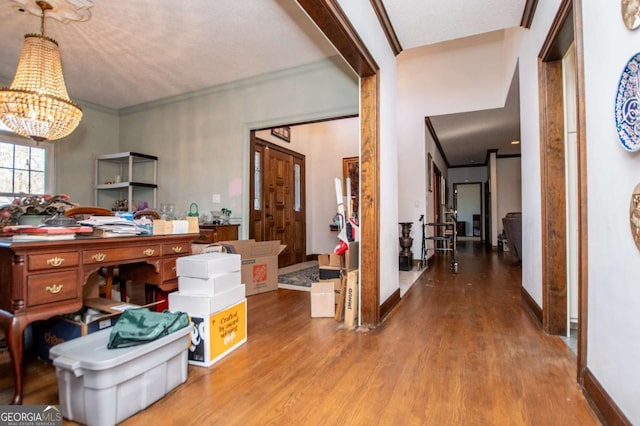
215, 336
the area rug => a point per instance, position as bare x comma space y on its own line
299, 280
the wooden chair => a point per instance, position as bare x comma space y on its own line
76, 212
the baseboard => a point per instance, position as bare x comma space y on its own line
602, 404
389, 304
429, 261
531, 304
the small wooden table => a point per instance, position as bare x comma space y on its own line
210, 234
40, 279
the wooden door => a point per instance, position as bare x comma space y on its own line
277, 209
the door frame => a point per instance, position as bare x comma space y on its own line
565, 29
269, 146
480, 203
334, 24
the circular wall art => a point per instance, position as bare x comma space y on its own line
628, 105
634, 215
630, 13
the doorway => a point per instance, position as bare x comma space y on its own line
467, 201
277, 207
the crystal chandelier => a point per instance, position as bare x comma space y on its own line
37, 105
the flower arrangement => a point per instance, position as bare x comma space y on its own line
47, 205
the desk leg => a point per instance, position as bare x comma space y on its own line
15, 332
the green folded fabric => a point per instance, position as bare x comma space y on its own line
139, 326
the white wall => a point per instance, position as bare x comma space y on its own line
509, 188
434, 80
202, 140
569, 73
97, 134
470, 174
366, 23
614, 293
324, 145
468, 203
529, 43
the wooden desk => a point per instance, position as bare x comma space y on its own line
40, 279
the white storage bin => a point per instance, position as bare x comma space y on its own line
99, 386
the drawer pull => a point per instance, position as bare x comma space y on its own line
55, 261
173, 269
149, 252
177, 249
99, 257
54, 289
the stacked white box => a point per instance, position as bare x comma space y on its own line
207, 264
210, 290
215, 284
202, 304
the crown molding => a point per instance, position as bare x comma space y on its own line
387, 27
331, 62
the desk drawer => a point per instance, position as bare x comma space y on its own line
207, 236
117, 254
40, 262
54, 287
182, 248
169, 269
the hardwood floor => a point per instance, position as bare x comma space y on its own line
458, 349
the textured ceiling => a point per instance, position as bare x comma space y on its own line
423, 22
129, 53
133, 52
466, 137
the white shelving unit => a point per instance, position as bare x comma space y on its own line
126, 175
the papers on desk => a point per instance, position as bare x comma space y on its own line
45, 233
112, 226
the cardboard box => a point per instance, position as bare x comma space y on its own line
351, 300
96, 314
336, 286
352, 257
215, 336
259, 263
215, 284
329, 266
323, 299
206, 265
196, 304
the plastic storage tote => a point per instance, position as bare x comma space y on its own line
99, 386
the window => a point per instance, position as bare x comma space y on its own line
257, 183
297, 188
23, 168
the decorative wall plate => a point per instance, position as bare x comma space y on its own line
628, 105
630, 13
634, 215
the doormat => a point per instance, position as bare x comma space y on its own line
299, 280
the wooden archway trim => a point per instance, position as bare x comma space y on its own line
332, 21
